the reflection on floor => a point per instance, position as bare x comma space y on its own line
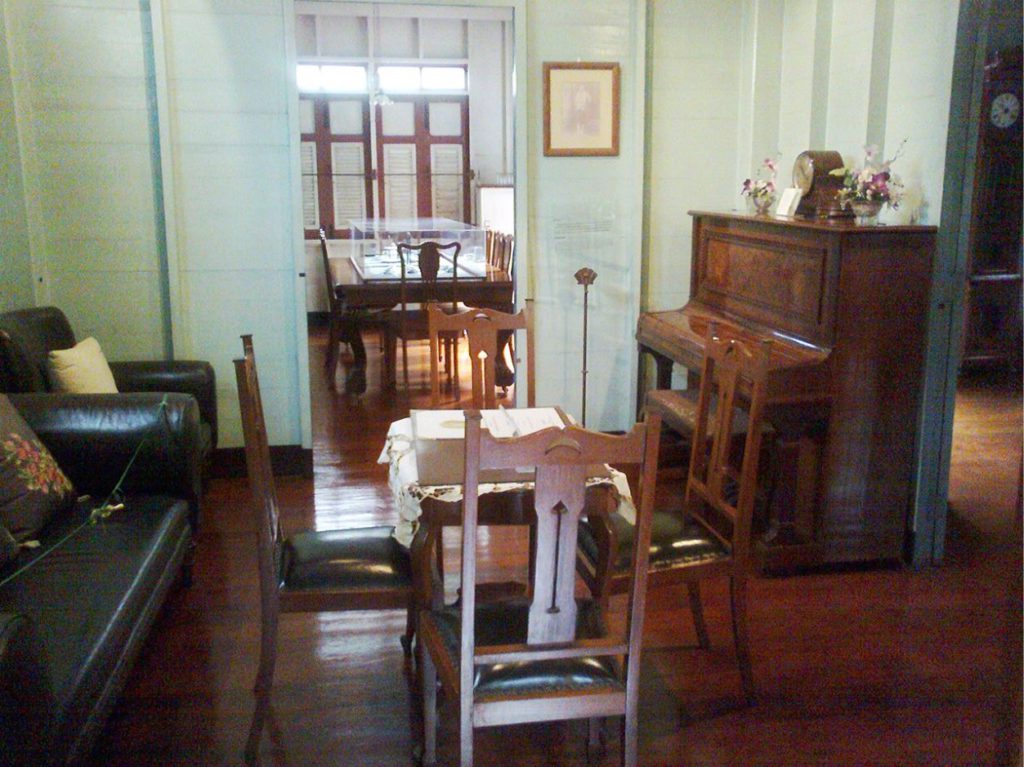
883, 666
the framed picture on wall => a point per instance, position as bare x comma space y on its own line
581, 109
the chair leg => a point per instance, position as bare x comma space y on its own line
331, 358
405, 363
264, 683
595, 740
738, 594
697, 609
428, 689
410, 626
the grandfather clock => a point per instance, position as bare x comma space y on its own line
993, 317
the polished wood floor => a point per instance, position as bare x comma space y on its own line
883, 666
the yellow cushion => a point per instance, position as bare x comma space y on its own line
82, 369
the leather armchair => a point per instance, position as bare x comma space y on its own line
28, 335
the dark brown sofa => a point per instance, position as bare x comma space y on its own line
75, 612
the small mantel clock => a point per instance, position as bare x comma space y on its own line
812, 176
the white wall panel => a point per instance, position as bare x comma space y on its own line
79, 72
15, 250
587, 211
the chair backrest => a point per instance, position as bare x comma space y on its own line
719, 493
499, 248
258, 466
27, 336
429, 255
506, 251
561, 458
485, 329
332, 297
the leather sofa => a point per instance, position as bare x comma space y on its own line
75, 611
27, 336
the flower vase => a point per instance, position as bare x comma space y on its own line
866, 211
762, 205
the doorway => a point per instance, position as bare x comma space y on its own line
407, 111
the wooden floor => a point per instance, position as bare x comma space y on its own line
871, 667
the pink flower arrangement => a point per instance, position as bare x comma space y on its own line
761, 188
873, 182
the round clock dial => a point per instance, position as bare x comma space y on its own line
1005, 110
803, 173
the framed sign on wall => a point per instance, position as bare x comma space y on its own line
581, 109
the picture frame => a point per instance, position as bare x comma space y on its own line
581, 109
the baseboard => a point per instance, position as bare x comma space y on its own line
287, 460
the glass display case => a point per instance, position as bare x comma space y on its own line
376, 256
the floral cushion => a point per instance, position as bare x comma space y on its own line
32, 486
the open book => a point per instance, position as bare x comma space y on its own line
504, 423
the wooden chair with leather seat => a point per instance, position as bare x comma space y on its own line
310, 571
546, 656
410, 324
487, 332
712, 535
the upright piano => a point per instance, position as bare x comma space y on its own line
845, 306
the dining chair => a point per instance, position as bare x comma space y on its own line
545, 656
341, 324
711, 537
309, 571
335, 311
410, 322
487, 333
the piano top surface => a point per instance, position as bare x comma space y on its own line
687, 327
845, 225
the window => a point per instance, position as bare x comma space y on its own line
395, 79
330, 78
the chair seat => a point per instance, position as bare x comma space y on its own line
416, 324
674, 541
345, 560
499, 623
678, 410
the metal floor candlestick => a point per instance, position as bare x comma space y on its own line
585, 277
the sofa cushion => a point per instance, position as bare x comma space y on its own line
27, 336
32, 486
91, 591
82, 369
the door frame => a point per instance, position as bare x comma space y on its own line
519, 163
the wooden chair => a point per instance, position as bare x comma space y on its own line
499, 248
487, 332
411, 323
547, 656
712, 535
342, 324
334, 309
321, 571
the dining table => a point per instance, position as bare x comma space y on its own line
365, 284
426, 507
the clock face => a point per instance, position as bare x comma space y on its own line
803, 173
1005, 110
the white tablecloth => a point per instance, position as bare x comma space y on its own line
404, 482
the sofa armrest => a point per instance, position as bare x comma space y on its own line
93, 437
185, 376
26, 701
